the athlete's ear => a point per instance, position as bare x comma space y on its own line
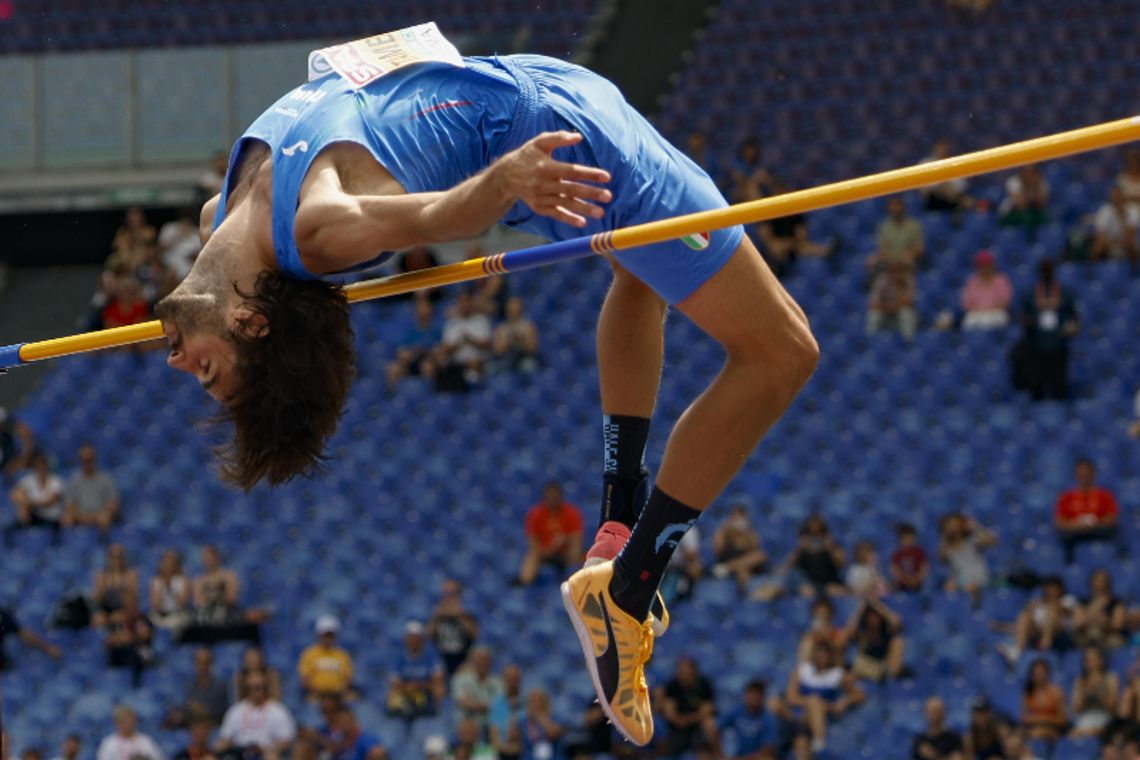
251, 323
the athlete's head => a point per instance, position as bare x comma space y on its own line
278, 357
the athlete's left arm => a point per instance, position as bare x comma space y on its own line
336, 230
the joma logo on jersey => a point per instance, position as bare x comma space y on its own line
306, 96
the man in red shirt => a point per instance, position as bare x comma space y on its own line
553, 534
1085, 513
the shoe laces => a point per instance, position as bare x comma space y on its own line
644, 652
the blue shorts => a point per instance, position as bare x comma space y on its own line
651, 179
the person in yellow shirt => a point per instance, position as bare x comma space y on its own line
324, 667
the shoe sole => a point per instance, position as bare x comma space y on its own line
587, 645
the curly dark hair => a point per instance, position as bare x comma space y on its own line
295, 365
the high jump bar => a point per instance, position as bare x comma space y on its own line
1045, 148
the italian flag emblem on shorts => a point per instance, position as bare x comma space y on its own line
697, 242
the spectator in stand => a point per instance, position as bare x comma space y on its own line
92, 498
179, 242
1026, 202
476, 687
38, 498
822, 691
737, 549
592, 737
1128, 181
1086, 512
130, 638
457, 362
784, 240
1041, 358
684, 570
818, 559
324, 667
690, 711
863, 574
210, 182
490, 294
909, 564
354, 743
134, 232
126, 305
170, 593
127, 743
987, 295
198, 742
253, 663
876, 632
960, 546
894, 294
469, 743
515, 343
418, 342
10, 626
1015, 747
70, 749
899, 239
951, 195
416, 685
749, 731
1101, 621
822, 629
541, 733
507, 714
750, 180
451, 627
983, 739
1043, 712
1115, 229
113, 583
1095, 694
215, 597
553, 534
1045, 624
17, 444
418, 259
937, 742
206, 695
257, 726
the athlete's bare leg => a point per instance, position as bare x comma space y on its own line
631, 346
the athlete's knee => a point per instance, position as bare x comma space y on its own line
784, 352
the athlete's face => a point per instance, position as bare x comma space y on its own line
200, 344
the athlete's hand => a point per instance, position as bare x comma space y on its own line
554, 188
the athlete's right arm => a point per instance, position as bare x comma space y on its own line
336, 230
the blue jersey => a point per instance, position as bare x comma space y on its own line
418, 668
752, 731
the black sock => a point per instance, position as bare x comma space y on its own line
623, 439
641, 564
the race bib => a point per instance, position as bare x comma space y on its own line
364, 61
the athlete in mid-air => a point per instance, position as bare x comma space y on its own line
338, 171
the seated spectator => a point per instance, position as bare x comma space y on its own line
10, 626
987, 295
894, 293
457, 362
749, 731
863, 574
591, 737
421, 338
416, 685
909, 565
737, 549
1115, 229
340, 738
1040, 360
215, 615
937, 742
198, 745
91, 497
507, 713
134, 231
822, 630
784, 240
1086, 512
750, 180
38, 497
451, 627
689, 711
127, 742
876, 632
984, 735
1026, 202
685, 568
960, 546
179, 242
257, 726
469, 743
950, 195
1015, 747
253, 662
324, 667
1095, 695
1043, 712
170, 593
899, 240
70, 749
553, 534
113, 583
1045, 624
206, 695
475, 687
130, 638
125, 305
818, 559
515, 342
822, 691
541, 733
17, 444
1101, 620
1128, 181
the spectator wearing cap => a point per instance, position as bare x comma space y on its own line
983, 737
324, 667
749, 731
476, 687
987, 295
417, 685
1086, 512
